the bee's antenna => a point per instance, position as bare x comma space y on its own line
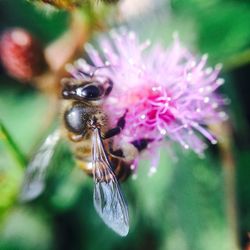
100, 67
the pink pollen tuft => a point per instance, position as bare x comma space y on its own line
151, 113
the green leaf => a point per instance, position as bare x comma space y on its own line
222, 26
25, 229
184, 203
24, 14
11, 146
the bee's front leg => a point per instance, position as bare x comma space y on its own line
119, 127
141, 144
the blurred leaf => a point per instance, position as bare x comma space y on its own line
179, 198
22, 110
24, 14
222, 26
10, 179
8, 141
25, 230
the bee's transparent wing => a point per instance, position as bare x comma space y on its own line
108, 199
34, 178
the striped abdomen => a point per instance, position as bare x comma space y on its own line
83, 157
121, 168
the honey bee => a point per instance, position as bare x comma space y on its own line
86, 127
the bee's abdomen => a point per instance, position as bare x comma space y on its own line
86, 166
121, 169
83, 157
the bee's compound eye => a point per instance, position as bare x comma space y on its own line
75, 119
90, 92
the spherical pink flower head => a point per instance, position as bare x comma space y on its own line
169, 92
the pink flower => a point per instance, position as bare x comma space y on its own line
169, 92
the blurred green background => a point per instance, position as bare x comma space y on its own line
189, 204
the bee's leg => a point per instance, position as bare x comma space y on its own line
117, 153
119, 127
141, 144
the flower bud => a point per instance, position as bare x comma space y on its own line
21, 54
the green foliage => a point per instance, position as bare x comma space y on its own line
222, 26
11, 145
46, 26
178, 200
26, 229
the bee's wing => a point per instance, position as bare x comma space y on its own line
108, 199
34, 178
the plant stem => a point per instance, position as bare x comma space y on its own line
224, 133
237, 60
8, 141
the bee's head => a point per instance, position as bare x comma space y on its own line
86, 91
